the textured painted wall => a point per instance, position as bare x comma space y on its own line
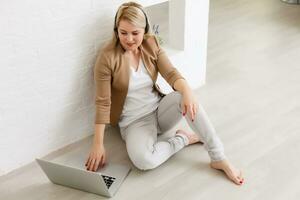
48, 49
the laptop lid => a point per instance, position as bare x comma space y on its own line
81, 179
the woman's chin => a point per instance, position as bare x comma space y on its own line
131, 48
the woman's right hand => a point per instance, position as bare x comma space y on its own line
97, 157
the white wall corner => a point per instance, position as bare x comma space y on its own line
188, 32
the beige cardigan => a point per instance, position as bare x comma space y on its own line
111, 76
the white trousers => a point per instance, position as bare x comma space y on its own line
146, 152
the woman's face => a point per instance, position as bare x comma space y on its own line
131, 37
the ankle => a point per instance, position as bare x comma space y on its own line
185, 139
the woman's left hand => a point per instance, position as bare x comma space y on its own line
189, 105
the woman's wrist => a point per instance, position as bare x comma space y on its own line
186, 92
98, 139
97, 143
99, 134
181, 86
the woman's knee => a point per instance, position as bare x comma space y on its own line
142, 161
178, 99
175, 97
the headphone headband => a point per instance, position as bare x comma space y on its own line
147, 23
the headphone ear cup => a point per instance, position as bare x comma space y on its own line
115, 25
147, 24
147, 28
116, 32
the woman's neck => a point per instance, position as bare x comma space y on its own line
135, 52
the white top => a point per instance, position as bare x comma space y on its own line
141, 98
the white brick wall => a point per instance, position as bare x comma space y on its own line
47, 50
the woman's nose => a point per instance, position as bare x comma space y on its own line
129, 38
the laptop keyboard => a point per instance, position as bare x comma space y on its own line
108, 180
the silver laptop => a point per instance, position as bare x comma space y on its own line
106, 181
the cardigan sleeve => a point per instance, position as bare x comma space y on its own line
102, 80
165, 67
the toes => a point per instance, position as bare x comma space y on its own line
236, 179
240, 177
232, 173
240, 174
179, 130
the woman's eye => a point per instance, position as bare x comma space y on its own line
132, 33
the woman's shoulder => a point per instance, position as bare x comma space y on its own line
106, 52
107, 49
151, 45
151, 41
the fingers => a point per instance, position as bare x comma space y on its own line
103, 159
195, 109
88, 162
92, 164
192, 112
102, 162
190, 109
183, 109
96, 159
96, 165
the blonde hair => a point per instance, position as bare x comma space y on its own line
134, 13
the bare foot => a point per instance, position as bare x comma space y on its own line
193, 137
232, 173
